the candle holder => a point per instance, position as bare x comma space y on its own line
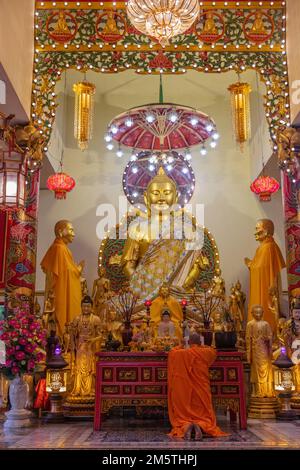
56, 385
184, 303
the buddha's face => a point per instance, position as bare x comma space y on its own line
164, 291
218, 318
261, 232
102, 272
86, 308
257, 313
166, 318
160, 196
68, 234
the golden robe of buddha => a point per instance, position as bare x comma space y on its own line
155, 251
264, 270
259, 354
63, 275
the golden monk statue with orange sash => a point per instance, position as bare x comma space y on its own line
264, 270
189, 393
63, 275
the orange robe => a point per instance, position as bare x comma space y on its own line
264, 270
59, 263
159, 304
189, 394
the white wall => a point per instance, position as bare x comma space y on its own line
222, 177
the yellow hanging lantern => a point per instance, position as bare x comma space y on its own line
84, 109
240, 110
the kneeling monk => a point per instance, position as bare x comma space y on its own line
189, 394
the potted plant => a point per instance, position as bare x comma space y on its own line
24, 339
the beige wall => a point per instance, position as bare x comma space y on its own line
17, 46
222, 177
293, 50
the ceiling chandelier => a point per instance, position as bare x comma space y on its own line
162, 19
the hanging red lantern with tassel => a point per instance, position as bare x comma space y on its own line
61, 184
264, 187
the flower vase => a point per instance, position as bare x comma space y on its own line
207, 334
127, 333
18, 417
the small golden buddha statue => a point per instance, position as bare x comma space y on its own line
48, 318
166, 327
274, 302
61, 26
111, 25
209, 25
101, 294
166, 302
218, 284
259, 354
114, 326
258, 24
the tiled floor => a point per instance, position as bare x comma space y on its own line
131, 433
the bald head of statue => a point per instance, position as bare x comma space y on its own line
195, 338
264, 228
64, 230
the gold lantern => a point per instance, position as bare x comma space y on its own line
84, 108
240, 110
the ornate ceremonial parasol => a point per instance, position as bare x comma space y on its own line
161, 127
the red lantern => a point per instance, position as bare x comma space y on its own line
265, 186
60, 183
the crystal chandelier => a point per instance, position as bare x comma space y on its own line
240, 110
84, 108
162, 19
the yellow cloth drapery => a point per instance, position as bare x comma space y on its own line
65, 274
264, 270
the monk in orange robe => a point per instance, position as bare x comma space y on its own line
166, 302
189, 394
63, 275
264, 270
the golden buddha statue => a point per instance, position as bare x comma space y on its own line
61, 26
48, 318
218, 284
258, 24
274, 303
259, 354
113, 325
165, 301
264, 269
101, 295
86, 330
63, 275
235, 310
111, 25
155, 250
166, 327
209, 25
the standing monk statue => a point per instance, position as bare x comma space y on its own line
264, 270
63, 275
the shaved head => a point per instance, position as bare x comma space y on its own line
60, 226
268, 225
195, 338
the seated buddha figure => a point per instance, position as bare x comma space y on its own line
61, 26
111, 25
166, 327
258, 24
209, 25
166, 302
163, 246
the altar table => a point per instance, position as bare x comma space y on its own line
139, 379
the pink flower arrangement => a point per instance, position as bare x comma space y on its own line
25, 340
